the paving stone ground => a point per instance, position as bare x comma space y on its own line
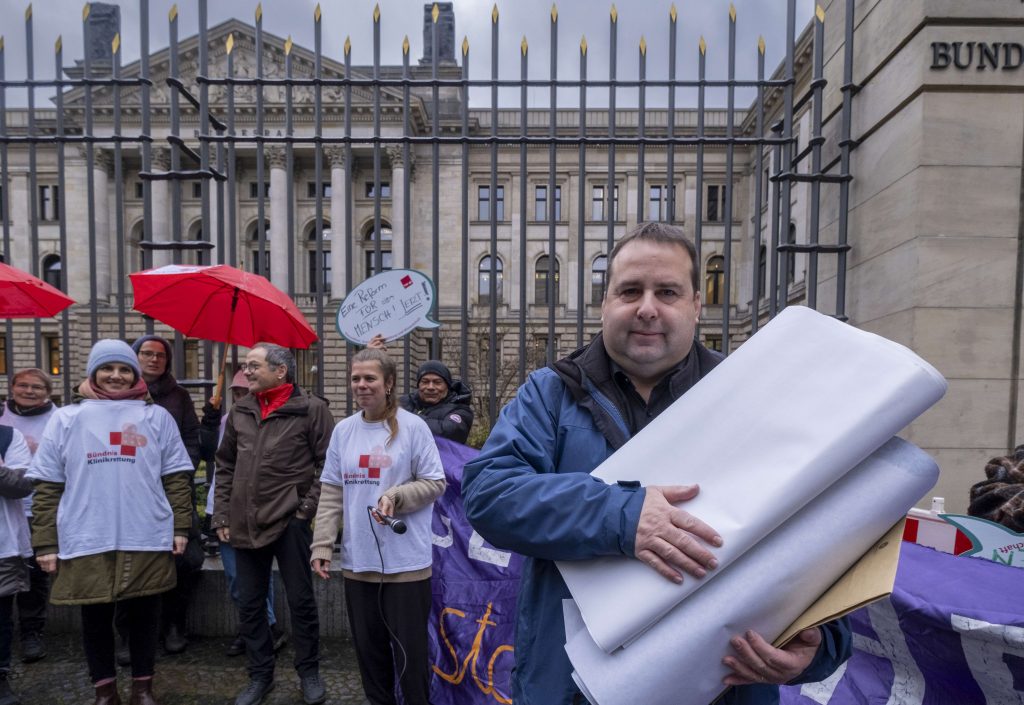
202, 675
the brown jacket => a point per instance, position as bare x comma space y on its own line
268, 470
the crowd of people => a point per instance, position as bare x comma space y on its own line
98, 502
114, 527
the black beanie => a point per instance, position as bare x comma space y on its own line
434, 367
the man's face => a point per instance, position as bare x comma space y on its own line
432, 388
29, 392
650, 311
152, 359
259, 374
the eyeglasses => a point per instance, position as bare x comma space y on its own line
30, 387
253, 366
151, 355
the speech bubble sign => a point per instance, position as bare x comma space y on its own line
392, 303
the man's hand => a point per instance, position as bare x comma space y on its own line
47, 563
321, 567
180, 542
224, 534
377, 342
669, 539
757, 661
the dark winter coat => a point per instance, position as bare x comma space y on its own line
13, 570
450, 418
268, 470
166, 392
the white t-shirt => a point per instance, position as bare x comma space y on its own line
14, 534
32, 428
359, 461
111, 456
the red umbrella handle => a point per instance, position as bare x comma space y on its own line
218, 392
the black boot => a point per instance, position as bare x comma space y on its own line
174, 640
7, 697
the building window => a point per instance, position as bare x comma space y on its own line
762, 271
541, 203
654, 210
713, 342
545, 289
597, 199
254, 189
484, 287
385, 190
197, 189
325, 189
765, 183
260, 265
483, 203
191, 369
305, 367
714, 212
51, 348
326, 271
539, 350
51, 270
369, 242
139, 190
371, 262
714, 280
49, 202
598, 279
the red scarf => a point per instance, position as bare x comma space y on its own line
273, 399
138, 391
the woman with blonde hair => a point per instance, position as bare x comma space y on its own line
382, 465
112, 508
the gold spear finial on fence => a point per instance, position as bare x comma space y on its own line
28, 12
554, 12
643, 46
405, 45
820, 13
230, 43
57, 45
288, 45
348, 46
523, 46
615, 14
173, 14
760, 44
85, 12
494, 14
259, 12
703, 46
376, 13
583, 45
672, 14
2, 43
435, 12
316, 13
732, 12
116, 43
465, 45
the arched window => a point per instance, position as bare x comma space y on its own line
598, 279
484, 287
370, 244
311, 231
325, 259
195, 256
545, 282
51, 270
714, 280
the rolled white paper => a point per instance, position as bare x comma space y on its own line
678, 661
776, 423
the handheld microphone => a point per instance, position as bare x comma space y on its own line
396, 525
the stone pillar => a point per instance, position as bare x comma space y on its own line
161, 208
18, 202
102, 163
397, 207
278, 245
76, 208
339, 214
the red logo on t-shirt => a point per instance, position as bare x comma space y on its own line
128, 439
372, 471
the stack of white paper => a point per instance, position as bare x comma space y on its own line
772, 427
678, 660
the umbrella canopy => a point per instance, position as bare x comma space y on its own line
221, 303
25, 296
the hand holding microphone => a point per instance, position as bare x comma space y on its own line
395, 525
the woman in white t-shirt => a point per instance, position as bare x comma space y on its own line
112, 507
382, 459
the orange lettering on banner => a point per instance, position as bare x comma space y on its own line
456, 677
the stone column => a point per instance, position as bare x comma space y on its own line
278, 245
18, 202
102, 163
339, 214
161, 208
76, 207
397, 207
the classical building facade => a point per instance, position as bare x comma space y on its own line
935, 214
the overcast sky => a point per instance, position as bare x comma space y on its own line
530, 18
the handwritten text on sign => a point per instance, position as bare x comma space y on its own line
391, 303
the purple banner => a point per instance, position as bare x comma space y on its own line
951, 632
472, 622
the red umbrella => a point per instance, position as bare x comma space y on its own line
221, 303
25, 296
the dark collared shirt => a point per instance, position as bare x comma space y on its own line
637, 412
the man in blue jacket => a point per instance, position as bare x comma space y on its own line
530, 489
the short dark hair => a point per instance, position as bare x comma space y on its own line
661, 233
277, 356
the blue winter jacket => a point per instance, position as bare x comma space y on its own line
530, 491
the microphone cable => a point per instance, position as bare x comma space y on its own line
380, 598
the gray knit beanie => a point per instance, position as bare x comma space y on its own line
109, 350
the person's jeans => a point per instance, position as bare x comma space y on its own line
142, 619
227, 559
254, 566
32, 604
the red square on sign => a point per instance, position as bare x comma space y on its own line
364, 461
373, 473
115, 438
406, 281
128, 450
